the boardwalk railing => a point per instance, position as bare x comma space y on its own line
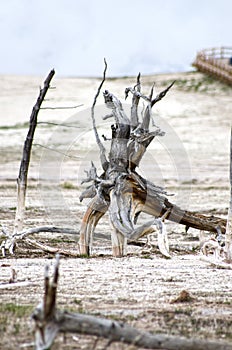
216, 62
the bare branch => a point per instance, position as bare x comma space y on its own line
151, 93
147, 115
91, 174
89, 192
216, 263
69, 107
59, 124
55, 150
136, 93
161, 94
39, 229
113, 103
17, 284
108, 116
49, 249
135, 103
104, 161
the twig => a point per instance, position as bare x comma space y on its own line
59, 124
136, 94
49, 249
17, 284
39, 229
70, 107
147, 114
55, 150
216, 263
151, 93
19, 236
108, 116
91, 174
161, 94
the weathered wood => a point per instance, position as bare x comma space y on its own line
120, 332
118, 158
104, 161
17, 284
228, 237
153, 203
49, 321
128, 198
147, 114
52, 250
135, 104
23, 171
122, 191
93, 214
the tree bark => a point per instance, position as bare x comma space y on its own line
121, 190
23, 171
228, 240
96, 209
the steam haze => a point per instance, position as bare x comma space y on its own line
73, 36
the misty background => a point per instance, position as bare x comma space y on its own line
73, 36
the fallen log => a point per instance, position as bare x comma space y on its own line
49, 321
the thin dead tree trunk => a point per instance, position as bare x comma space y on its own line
23, 171
121, 191
17, 233
49, 321
228, 240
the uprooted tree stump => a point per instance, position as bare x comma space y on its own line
124, 193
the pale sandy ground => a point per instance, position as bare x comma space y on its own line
191, 161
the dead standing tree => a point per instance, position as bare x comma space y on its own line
228, 236
124, 193
24, 166
19, 233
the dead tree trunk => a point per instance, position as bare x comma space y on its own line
23, 171
121, 191
49, 321
228, 245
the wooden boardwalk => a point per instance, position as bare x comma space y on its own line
216, 62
